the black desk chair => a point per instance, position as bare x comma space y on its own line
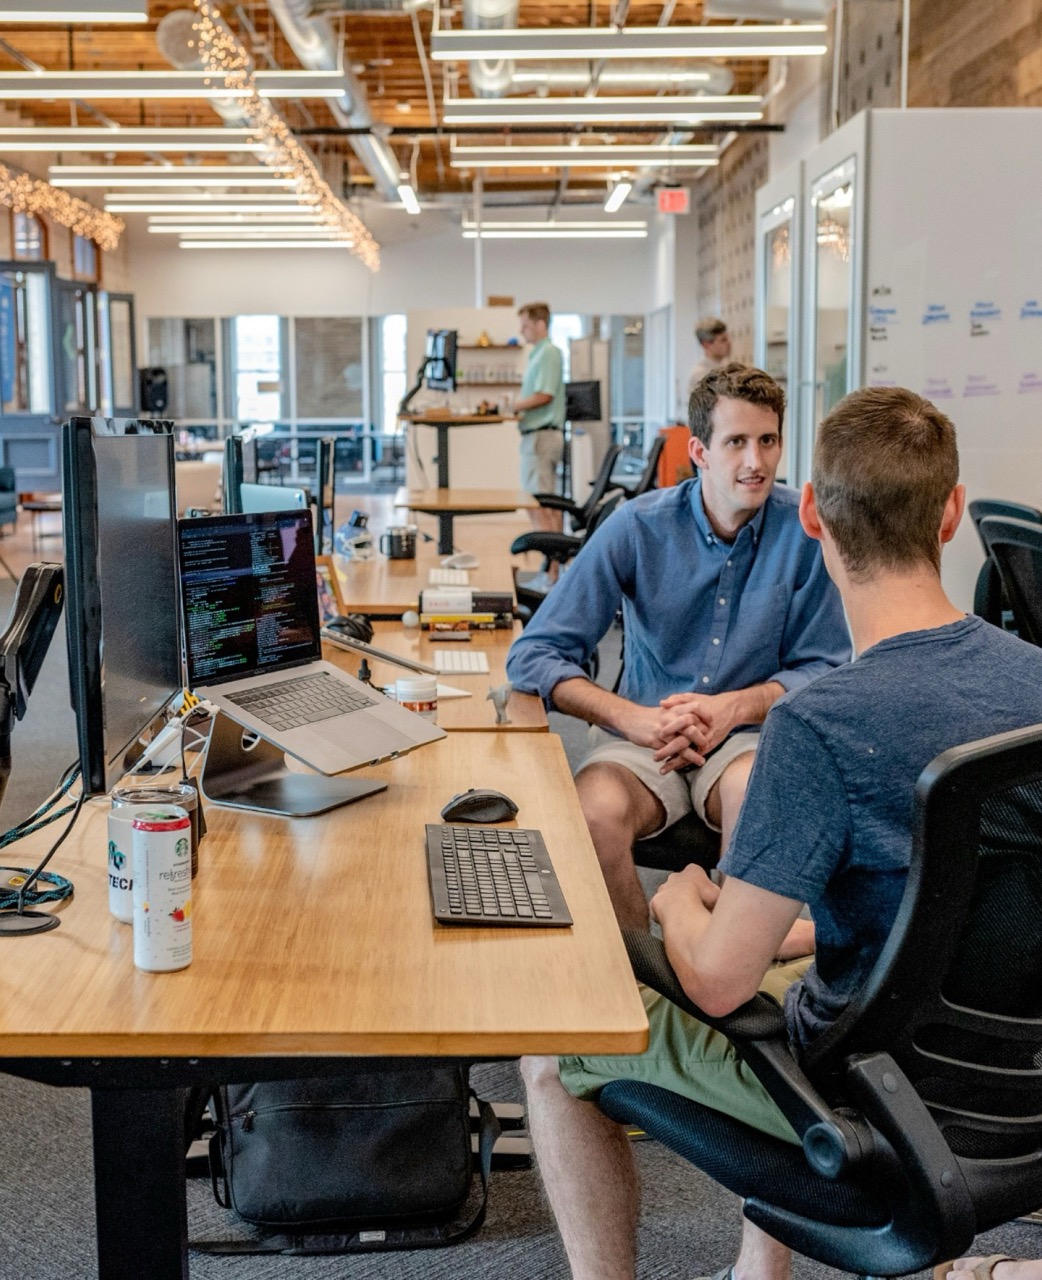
649, 475
1015, 547
580, 514
919, 1110
988, 601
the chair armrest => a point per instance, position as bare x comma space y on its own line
556, 503
554, 546
832, 1144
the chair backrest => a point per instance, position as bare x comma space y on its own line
649, 476
599, 487
956, 996
1016, 548
7, 480
601, 512
981, 508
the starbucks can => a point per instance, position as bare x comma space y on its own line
162, 865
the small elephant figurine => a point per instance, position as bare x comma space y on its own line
499, 696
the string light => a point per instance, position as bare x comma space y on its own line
226, 57
25, 194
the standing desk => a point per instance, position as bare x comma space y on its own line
443, 422
314, 943
447, 504
526, 710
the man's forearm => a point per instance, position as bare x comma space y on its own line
588, 701
751, 705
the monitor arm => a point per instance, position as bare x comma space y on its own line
23, 647
421, 373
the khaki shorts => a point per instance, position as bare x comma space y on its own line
691, 1059
541, 451
679, 791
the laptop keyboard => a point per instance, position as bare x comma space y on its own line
305, 700
492, 875
462, 661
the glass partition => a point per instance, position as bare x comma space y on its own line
187, 350
329, 367
778, 282
25, 343
78, 347
832, 201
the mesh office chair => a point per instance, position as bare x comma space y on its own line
920, 1111
988, 600
579, 514
1015, 547
649, 475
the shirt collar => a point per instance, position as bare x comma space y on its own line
705, 529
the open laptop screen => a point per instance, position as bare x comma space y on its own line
248, 594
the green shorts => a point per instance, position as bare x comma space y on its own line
689, 1058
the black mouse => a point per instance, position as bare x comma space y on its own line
479, 806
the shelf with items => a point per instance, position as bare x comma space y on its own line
489, 346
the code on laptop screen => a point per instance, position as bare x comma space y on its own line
248, 593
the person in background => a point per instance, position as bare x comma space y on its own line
540, 412
715, 341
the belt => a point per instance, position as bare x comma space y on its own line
533, 430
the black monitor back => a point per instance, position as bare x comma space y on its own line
582, 401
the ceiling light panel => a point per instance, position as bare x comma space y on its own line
265, 244
503, 230
36, 11
630, 42
129, 139
650, 110
590, 157
65, 85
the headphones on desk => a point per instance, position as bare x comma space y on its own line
356, 626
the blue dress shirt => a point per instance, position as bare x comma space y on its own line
700, 614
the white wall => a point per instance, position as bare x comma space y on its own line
430, 266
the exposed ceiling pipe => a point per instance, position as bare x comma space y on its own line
315, 44
492, 79
176, 41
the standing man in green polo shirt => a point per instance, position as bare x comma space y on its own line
540, 412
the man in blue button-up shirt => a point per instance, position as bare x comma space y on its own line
726, 606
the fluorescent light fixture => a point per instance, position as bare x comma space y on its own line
407, 196
555, 230
673, 109
133, 205
617, 196
207, 199
315, 231
286, 217
129, 139
62, 85
677, 76
594, 43
157, 176
34, 11
266, 244
595, 156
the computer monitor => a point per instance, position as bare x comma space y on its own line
582, 401
271, 497
232, 475
121, 611
439, 370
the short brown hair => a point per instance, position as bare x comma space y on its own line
709, 327
732, 381
885, 464
535, 311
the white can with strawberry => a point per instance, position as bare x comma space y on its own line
162, 867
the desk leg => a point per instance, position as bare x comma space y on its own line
443, 456
139, 1184
445, 543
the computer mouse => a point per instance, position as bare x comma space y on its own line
461, 560
356, 626
479, 806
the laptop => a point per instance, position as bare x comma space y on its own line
249, 602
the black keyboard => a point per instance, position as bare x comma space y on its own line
492, 875
305, 700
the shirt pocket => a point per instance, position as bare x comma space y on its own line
758, 628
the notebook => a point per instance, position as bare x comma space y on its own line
252, 645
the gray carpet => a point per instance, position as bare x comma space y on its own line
690, 1227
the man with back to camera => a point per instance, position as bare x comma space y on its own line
715, 342
726, 605
827, 819
540, 412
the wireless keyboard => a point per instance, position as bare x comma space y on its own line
472, 662
492, 875
448, 578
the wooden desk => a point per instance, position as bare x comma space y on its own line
386, 587
314, 941
446, 504
443, 423
526, 711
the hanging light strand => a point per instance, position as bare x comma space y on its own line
225, 57
26, 194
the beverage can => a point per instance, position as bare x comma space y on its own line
121, 858
182, 794
162, 871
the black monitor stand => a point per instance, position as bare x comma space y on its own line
256, 777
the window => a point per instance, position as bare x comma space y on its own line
257, 368
85, 259
187, 350
392, 372
329, 369
25, 343
30, 237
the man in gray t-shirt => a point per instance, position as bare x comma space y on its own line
826, 820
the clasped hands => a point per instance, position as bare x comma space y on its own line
683, 728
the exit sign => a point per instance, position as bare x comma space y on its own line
674, 200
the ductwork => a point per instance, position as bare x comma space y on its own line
490, 79
313, 41
176, 41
